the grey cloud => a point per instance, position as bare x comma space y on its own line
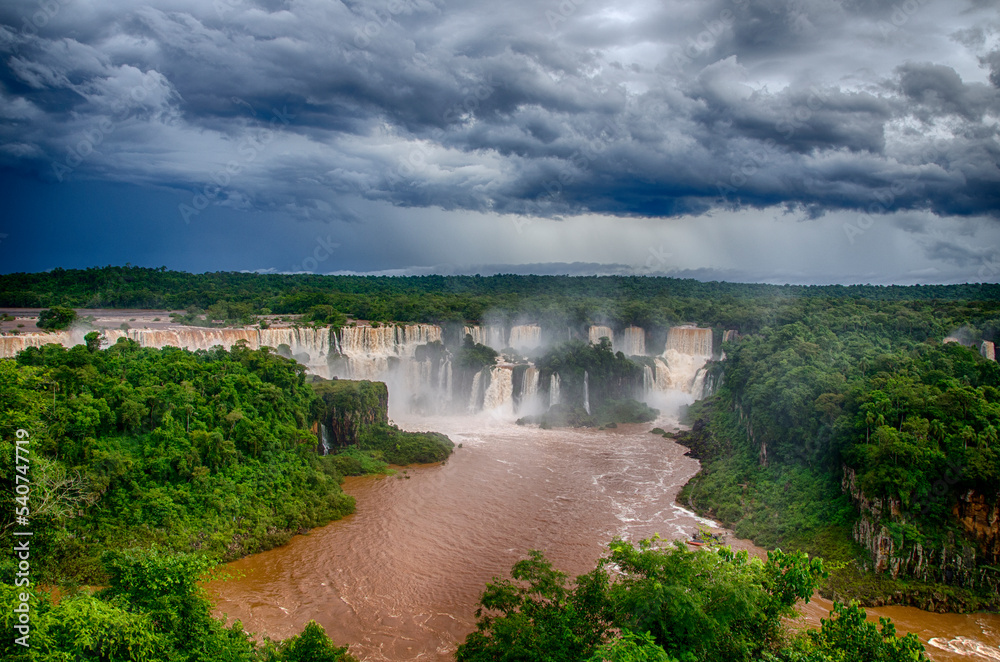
941, 90
457, 107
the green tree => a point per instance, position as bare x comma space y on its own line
57, 317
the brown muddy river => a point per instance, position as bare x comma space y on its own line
400, 579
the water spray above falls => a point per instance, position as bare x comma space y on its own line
633, 341
525, 336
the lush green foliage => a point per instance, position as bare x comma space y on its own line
928, 417
553, 301
788, 505
396, 446
849, 386
356, 414
471, 356
205, 451
153, 610
57, 317
848, 637
670, 604
609, 375
345, 407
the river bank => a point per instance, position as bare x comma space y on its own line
800, 508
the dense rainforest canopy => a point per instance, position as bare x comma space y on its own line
666, 604
819, 421
549, 300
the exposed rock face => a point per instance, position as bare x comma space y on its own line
981, 520
954, 561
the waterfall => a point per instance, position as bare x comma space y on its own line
11, 345
633, 342
499, 396
711, 385
698, 384
529, 389
369, 349
586, 392
318, 344
529, 382
444, 379
988, 350
554, 389
681, 367
491, 335
476, 332
474, 394
598, 332
690, 340
495, 337
526, 336
648, 379
324, 439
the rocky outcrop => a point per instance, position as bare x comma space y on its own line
881, 527
980, 518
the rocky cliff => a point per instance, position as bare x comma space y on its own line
960, 557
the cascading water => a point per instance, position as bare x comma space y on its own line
525, 336
388, 353
698, 384
598, 332
529, 390
496, 338
586, 392
474, 394
681, 367
988, 350
444, 379
632, 342
499, 396
491, 335
690, 340
324, 439
476, 332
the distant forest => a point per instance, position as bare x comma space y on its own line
548, 300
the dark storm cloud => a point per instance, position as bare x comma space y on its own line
631, 109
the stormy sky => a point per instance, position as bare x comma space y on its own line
801, 141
